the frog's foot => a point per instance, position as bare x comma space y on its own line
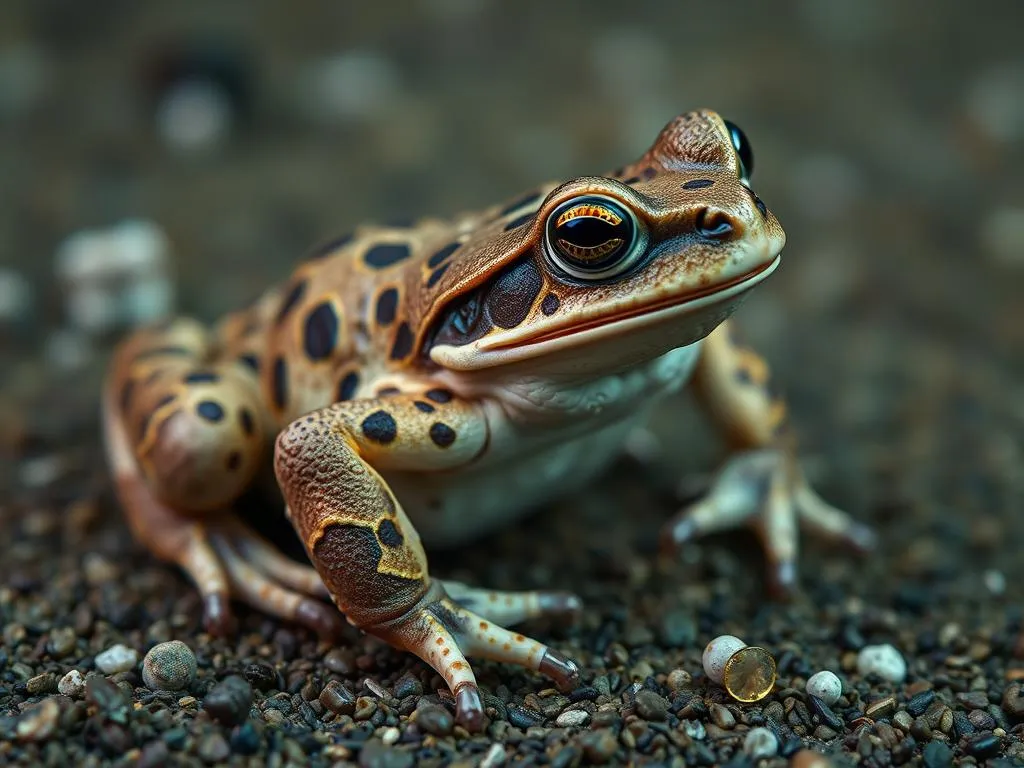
443, 633
766, 489
513, 607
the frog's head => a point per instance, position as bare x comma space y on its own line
646, 260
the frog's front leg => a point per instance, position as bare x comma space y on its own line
366, 549
762, 482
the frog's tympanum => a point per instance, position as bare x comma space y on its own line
442, 378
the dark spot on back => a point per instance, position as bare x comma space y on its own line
347, 386
442, 435
742, 376
246, 420
520, 203
234, 461
550, 304
424, 407
386, 254
520, 220
403, 342
279, 383
513, 293
387, 304
698, 183
631, 180
321, 331
210, 410
388, 534
380, 427
202, 377
388, 391
442, 254
353, 552
439, 395
251, 361
436, 275
288, 303
326, 249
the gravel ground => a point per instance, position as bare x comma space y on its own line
889, 143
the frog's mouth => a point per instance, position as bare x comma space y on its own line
508, 348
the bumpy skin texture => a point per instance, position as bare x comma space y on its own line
454, 373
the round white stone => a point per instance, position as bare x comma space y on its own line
717, 652
760, 742
882, 660
72, 684
826, 686
117, 658
571, 718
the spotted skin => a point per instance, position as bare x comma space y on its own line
453, 373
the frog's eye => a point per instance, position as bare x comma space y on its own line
741, 144
593, 237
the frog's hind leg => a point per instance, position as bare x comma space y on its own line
185, 439
368, 552
513, 607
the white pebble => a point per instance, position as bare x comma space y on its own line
72, 684
826, 686
194, 115
15, 296
390, 736
882, 660
694, 729
717, 652
117, 658
995, 582
760, 742
571, 718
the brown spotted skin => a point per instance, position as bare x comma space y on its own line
461, 371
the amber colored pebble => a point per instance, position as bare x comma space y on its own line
749, 674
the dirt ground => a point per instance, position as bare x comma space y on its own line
890, 143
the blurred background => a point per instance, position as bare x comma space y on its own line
165, 156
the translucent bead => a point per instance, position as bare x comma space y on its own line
749, 674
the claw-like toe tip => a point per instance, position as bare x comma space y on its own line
863, 537
321, 618
217, 615
561, 669
560, 604
469, 709
675, 534
783, 579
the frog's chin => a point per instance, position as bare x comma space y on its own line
642, 334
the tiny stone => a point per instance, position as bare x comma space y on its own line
390, 735
435, 720
408, 685
808, 758
881, 708
229, 701
572, 718
365, 708
826, 686
1013, 700
919, 704
750, 674
39, 722
40, 684
338, 699
882, 660
760, 743
61, 642
722, 716
973, 699
825, 714
598, 746
937, 755
694, 729
985, 746
717, 653
72, 684
213, 748
117, 658
261, 676
245, 740
169, 666
903, 719
522, 717
650, 706
679, 679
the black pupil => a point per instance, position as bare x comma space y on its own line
743, 149
593, 235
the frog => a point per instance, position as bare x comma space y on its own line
443, 378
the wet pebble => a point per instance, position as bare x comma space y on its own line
825, 685
72, 684
169, 666
523, 717
117, 658
338, 699
572, 718
262, 677
1013, 700
722, 716
919, 703
985, 746
825, 714
436, 720
61, 642
650, 706
760, 743
882, 660
229, 701
408, 685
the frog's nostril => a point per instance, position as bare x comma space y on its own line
716, 225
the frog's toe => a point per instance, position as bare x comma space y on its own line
766, 490
266, 593
514, 607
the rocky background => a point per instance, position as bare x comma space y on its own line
168, 156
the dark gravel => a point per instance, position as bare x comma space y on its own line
891, 149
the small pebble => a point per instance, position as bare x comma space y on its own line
599, 746
72, 684
722, 716
920, 702
572, 718
524, 717
760, 743
169, 666
679, 679
39, 722
650, 706
61, 642
882, 660
365, 708
985, 746
826, 686
117, 658
436, 720
338, 699
717, 653
213, 748
229, 701
1013, 700
937, 755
